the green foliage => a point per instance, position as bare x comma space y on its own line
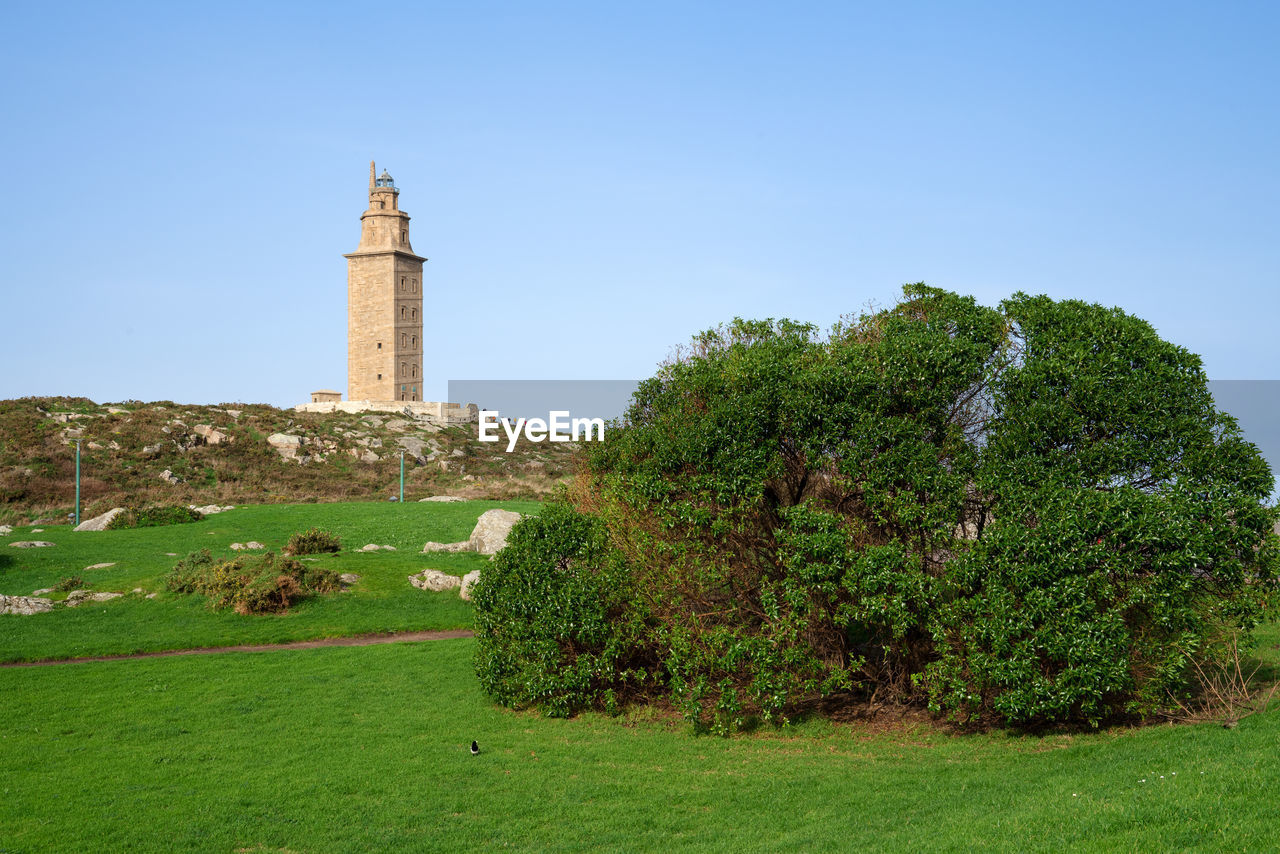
1026, 515
154, 517
1128, 526
250, 584
71, 582
553, 617
313, 541
189, 573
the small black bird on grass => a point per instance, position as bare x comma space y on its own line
475, 749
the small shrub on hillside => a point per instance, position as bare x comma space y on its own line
312, 542
154, 516
186, 573
249, 584
73, 582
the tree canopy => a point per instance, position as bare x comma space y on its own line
1027, 514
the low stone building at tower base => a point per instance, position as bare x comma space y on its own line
428, 410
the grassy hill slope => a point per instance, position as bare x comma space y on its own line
135, 453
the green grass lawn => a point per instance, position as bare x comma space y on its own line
382, 601
365, 749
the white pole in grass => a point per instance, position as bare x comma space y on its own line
77, 483
402, 477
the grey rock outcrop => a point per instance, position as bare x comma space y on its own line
99, 566
467, 580
30, 544
464, 546
434, 580
287, 446
490, 533
211, 434
5, 530
99, 523
487, 538
252, 545
442, 498
373, 547
24, 606
210, 509
79, 597
413, 446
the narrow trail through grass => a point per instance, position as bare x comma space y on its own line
362, 640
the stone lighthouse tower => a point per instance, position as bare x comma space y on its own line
384, 302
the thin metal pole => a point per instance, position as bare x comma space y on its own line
402, 477
77, 483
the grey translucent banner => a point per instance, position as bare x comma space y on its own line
1254, 403
514, 399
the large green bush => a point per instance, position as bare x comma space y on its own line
1024, 515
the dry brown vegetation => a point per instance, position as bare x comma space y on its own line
126, 448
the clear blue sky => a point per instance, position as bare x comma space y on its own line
595, 182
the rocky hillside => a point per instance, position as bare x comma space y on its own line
137, 453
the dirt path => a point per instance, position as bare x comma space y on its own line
359, 640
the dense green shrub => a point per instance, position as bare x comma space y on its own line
249, 584
154, 516
188, 573
1127, 527
312, 542
1025, 515
555, 619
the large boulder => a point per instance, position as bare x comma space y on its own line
413, 446
287, 446
464, 546
5, 529
490, 533
467, 580
24, 605
211, 434
434, 580
99, 523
